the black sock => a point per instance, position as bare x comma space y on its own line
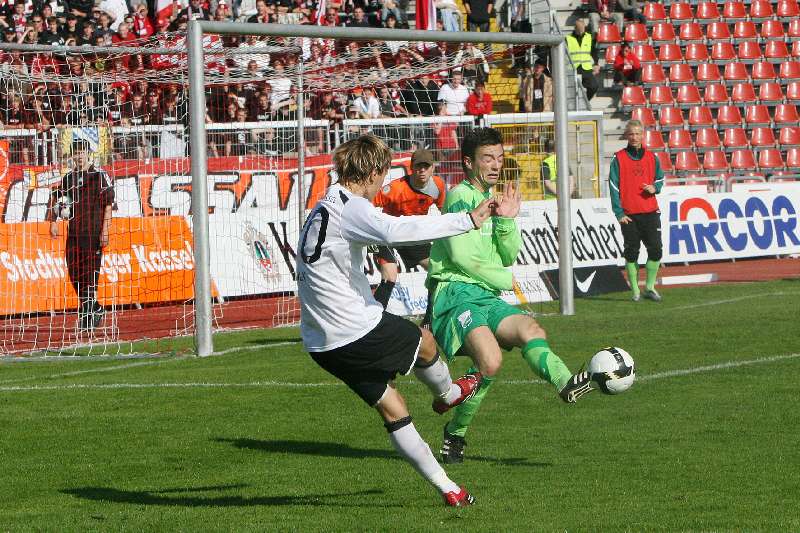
384, 292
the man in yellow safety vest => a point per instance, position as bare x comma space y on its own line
580, 48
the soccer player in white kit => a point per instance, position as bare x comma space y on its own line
346, 330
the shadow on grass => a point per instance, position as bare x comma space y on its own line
274, 340
341, 450
162, 497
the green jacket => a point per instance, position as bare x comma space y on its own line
481, 256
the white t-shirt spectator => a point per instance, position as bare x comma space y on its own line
454, 98
281, 90
368, 105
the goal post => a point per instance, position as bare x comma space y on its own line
197, 32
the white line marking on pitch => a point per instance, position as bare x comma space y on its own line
256, 384
729, 300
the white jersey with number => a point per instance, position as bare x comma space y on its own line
336, 302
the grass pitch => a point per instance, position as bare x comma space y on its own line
261, 439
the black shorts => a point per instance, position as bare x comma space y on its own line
411, 255
370, 363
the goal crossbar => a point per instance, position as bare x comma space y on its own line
197, 110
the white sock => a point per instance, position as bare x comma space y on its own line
437, 378
416, 451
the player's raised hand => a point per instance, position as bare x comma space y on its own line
508, 205
484, 210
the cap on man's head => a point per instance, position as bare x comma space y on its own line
422, 156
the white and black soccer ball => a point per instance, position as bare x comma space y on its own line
613, 370
63, 207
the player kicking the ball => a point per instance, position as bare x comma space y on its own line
346, 330
467, 273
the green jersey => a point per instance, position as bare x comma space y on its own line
481, 256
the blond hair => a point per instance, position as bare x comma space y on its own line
634, 123
356, 159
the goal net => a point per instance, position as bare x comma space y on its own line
87, 128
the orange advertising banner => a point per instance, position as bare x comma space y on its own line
147, 260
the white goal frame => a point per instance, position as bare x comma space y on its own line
198, 141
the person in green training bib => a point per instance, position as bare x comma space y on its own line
466, 275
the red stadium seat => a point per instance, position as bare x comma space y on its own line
776, 52
707, 12
680, 140
793, 158
793, 92
670, 53
722, 53
680, 12
789, 136
786, 115
687, 162
772, 30
653, 74
742, 160
716, 95
770, 93
688, 96
654, 12
707, 139
653, 141
611, 55
793, 31
637, 33
714, 162
645, 53
718, 31
633, 96
735, 139
729, 116
795, 52
763, 72
734, 73
762, 137
680, 74
708, 73
770, 160
761, 10
749, 52
733, 11
608, 34
743, 94
670, 118
661, 96
757, 115
665, 162
700, 117
744, 30
787, 10
789, 70
663, 32
691, 32
645, 115
696, 53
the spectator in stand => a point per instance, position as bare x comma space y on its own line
581, 50
281, 86
86, 36
15, 118
37, 24
19, 21
81, 8
627, 68
450, 13
263, 15
117, 107
366, 103
631, 10
69, 32
359, 19
536, 90
51, 35
479, 102
153, 114
446, 143
243, 60
194, 11
549, 173
421, 96
479, 13
104, 25
393, 47
477, 68
603, 11
331, 17
388, 9
454, 95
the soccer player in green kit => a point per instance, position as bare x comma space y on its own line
467, 273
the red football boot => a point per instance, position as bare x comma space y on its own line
468, 383
461, 498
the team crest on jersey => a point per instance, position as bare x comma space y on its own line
258, 246
386, 189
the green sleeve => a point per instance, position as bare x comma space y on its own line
659, 183
507, 239
613, 189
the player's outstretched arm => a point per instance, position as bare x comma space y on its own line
362, 222
506, 235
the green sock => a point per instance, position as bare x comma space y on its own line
464, 413
545, 363
633, 276
652, 271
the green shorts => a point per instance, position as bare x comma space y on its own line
460, 307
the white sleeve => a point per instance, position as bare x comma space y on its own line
363, 223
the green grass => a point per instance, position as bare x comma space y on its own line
104, 445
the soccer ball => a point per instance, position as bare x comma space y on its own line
613, 370
63, 207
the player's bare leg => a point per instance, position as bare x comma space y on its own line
431, 369
409, 444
